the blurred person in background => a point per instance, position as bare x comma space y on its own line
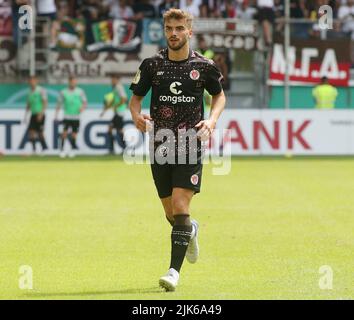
48, 9
246, 10
92, 11
74, 102
346, 15
229, 9
37, 103
119, 9
266, 18
220, 58
325, 95
191, 6
69, 31
115, 100
143, 9
203, 48
165, 6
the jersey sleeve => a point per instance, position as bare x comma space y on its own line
83, 96
213, 80
120, 91
44, 94
142, 81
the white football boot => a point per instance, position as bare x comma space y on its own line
62, 154
72, 153
192, 252
170, 280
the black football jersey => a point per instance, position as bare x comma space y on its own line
177, 89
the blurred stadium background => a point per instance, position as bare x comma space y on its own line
274, 238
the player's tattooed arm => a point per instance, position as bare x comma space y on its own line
206, 127
141, 121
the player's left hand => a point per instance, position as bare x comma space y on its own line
206, 128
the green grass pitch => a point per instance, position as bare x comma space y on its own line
93, 228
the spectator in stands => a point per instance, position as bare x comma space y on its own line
143, 9
48, 9
298, 11
65, 32
120, 10
346, 15
266, 18
191, 6
166, 5
279, 16
92, 11
206, 8
325, 95
229, 10
246, 10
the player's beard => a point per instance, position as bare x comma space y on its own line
179, 46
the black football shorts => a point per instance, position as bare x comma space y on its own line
117, 122
169, 176
35, 124
74, 125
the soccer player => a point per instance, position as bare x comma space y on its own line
37, 103
116, 100
74, 101
178, 77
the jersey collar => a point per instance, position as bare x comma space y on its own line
190, 54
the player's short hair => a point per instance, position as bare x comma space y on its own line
178, 14
324, 79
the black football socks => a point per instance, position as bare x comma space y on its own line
73, 142
180, 237
43, 142
33, 142
62, 140
110, 142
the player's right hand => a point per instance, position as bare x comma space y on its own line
142, 122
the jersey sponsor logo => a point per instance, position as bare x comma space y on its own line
173, 88
194, 179
137, 77
194, 74
175, 99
